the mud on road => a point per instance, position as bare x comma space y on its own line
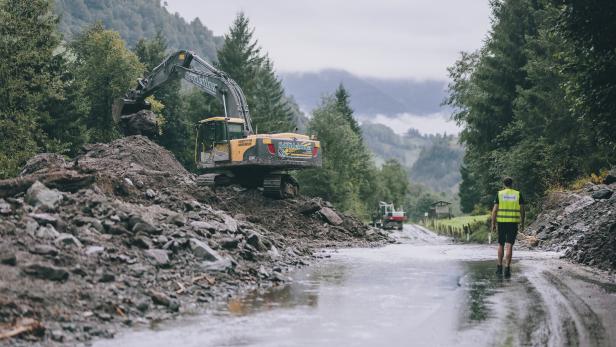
425, 291
122, 237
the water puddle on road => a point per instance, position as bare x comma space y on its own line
424, 292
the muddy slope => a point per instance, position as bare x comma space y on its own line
122, 236
580, 223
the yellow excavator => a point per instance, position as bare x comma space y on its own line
227, 150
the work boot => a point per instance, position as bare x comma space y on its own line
507, 271
499, 270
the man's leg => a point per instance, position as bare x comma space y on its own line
499, 252
508, 254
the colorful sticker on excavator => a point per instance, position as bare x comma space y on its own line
294, 149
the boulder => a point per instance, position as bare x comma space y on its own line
44, 250
45, 218
7, 257
67, 240
158, 257
602, 194
44, 162
202, 226
93, 250
140, 123
229, 243
256, 240
46, 272
150, 194
330, 216
141, 241
5, 207
610, 177
176, 219
107, 277
201, 250
309, 207
146, 228
93, 222
230, 223
46, 232
40, 196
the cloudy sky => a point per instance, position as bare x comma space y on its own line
379, 38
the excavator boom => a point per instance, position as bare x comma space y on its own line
189, 66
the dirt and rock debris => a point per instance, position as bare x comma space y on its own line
122, 236
581, 223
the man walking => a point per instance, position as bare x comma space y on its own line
507, 213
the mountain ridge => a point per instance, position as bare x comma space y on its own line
369, 95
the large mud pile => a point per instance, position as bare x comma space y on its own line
122, 236
580, 223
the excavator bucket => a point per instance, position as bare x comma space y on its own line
123, 107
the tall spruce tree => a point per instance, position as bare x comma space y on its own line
344, 106
270, 112
151, 52
28, 80
241, 58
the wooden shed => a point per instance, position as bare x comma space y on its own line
440, 209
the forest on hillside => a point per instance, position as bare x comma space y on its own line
59, 89
538, 100
136, 20
432, 160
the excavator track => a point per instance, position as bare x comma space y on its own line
280, 186
214, 180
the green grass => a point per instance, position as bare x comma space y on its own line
459, 222
479, 227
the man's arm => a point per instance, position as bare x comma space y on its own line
494, 212
522, 217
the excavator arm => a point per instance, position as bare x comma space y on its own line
189, 66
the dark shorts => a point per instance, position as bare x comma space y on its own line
507, 232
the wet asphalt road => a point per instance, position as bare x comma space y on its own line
424, 292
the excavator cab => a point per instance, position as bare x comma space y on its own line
214, 136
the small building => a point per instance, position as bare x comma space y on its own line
440, 209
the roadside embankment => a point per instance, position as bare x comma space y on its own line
580, 223
122, 236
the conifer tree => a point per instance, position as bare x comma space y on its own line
241, 58
270, 112
151, 52
28, 80
344, 106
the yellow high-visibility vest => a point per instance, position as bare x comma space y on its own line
508, 206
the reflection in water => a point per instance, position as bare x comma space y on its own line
286, 296
303, 291
481, 284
